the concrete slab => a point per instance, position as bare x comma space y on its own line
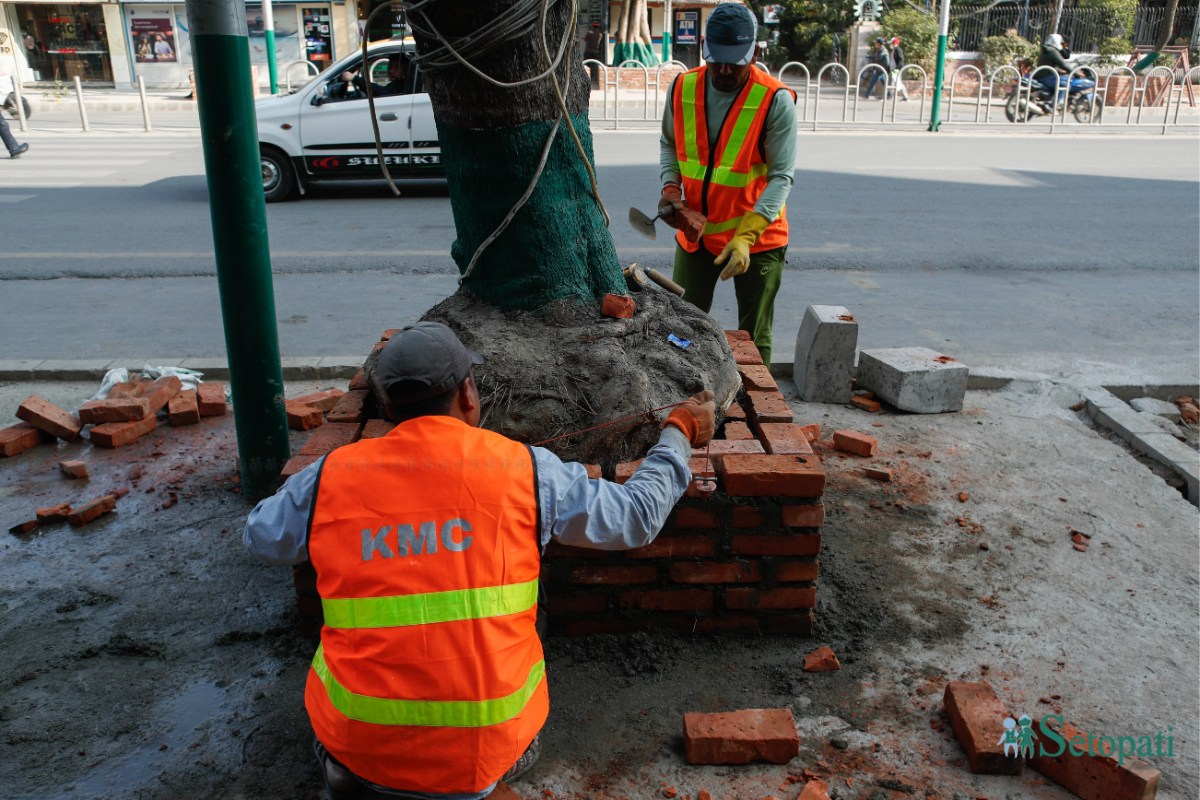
823, 367
914, 379
1152, 405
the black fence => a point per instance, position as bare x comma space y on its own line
1080, 26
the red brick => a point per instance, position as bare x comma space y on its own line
786, 544
745, 353
388, 334
376, 428
48, 417
676, 547
594, 472
120, 409
626, 469
350, 407
119, 434
737, 336
810, 516
82, 515
614, 575
667, 600
184, 409
127, 389
735, 431
210, 397
797, 571
325, 399
557, 550
878, 474
768, 407
715, 572
591, 627
329, 437
618, 306
303, 418
791, 597
160, 392
74, 469
719, 448
748, 517
58, 513
739, 737
702, 467
757, 377
359, 381
812, 431
294, 465
860, 444
1096, 777
789, 624
977, 716
696, 518
773, 476
24, 527
735, 413
785, 438
865, 403
814, 790
823, 659
18, 438
577, 604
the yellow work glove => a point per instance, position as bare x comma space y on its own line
737, 252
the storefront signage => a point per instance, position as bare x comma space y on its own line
687, 27
153, 39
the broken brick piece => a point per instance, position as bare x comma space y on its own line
119, 434
183, 409
210, 398
865, 403
324, 400
89, 511
812, 431
45, 416
618, 306
113, 409
814, 790
58, 513
1096, 777
963, 497
24, 527
329, 437
860, 444
18, 438
739, 737
160, 392
376, 428
977, 716
303, 418
875, 473
127, 389
503, 792
74, 469
350, 407
823, 659
294, 465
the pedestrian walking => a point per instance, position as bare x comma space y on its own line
897, 67
430, 680
728, 149
14, 148
593, 49
880, 57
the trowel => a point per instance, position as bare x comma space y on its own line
644, 224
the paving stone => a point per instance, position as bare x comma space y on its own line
914, 379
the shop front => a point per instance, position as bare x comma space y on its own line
157, 41
303, 35
62, 41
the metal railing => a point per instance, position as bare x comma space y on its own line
1084, 28
287, 73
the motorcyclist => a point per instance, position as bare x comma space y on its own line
1055, 52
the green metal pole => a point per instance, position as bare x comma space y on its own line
269, 38
935, 121
668, 24
229, 134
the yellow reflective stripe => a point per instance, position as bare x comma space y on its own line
711, 228
422, 609
431, 713
724, 176
689, 117
692, 169
741, 126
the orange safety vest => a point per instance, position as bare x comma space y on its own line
430, 675
725, 184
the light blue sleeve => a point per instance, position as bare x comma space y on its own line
603, 515
668, 160
780, 146
276, 531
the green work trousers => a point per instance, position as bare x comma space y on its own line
755, 289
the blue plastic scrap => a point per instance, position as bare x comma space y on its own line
680, 343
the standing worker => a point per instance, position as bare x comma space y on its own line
429, 680
728, 150
593, 50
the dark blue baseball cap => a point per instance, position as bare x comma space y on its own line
422, 361
730, 35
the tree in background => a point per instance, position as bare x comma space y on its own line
918, 34
1116, 18
807, 27
1008, 49
634, 42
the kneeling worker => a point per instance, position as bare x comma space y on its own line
429, 681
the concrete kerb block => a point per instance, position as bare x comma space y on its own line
340, 366
1152, 405
823, 366
213, 369
21, 369
914, 379
302, 368
72, 369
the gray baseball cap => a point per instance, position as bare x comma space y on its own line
730, 35
422, 361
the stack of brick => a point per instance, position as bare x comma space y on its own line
741, 559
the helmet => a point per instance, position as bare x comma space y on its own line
1054, 40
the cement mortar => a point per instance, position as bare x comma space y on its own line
150, 658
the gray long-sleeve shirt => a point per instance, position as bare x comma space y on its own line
779, 143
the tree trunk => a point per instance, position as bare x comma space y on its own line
623, 29
1168, 26
644, 24
530, 303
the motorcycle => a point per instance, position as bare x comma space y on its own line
9, 97
1032, 98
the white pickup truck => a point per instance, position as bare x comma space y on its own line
322, 131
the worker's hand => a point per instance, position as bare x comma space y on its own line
737, 252
696, 418
672, 198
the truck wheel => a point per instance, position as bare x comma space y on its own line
278, 175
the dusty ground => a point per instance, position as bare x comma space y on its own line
147, 657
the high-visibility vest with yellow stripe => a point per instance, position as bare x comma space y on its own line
430, 675
725, 182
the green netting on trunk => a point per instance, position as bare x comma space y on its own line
635, 51
557, 246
